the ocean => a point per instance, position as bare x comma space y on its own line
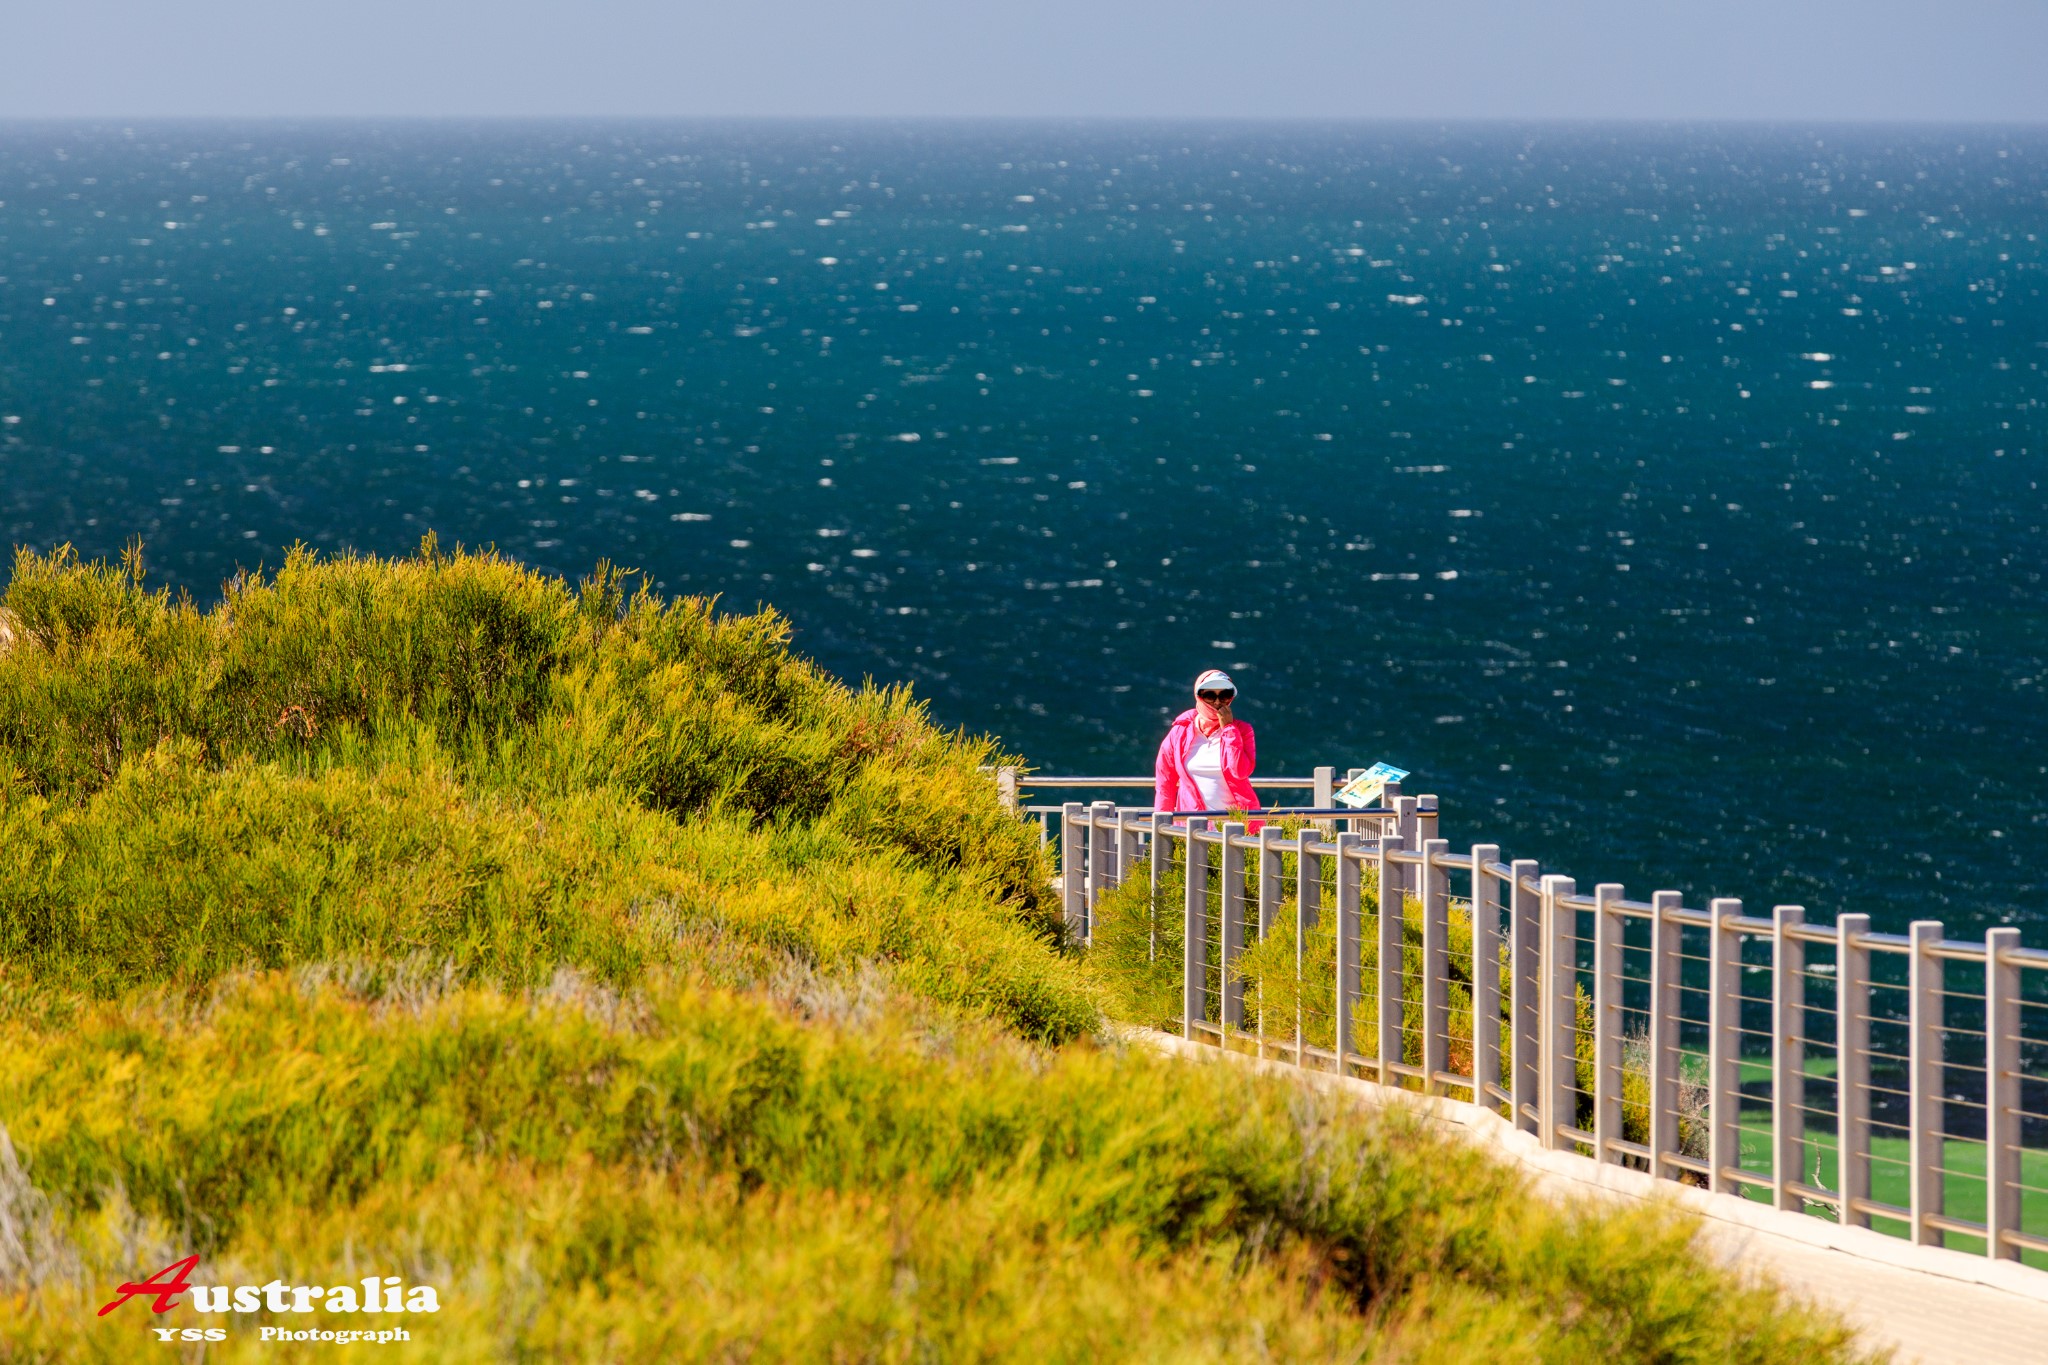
1667, 498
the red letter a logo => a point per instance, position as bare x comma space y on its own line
164, 1287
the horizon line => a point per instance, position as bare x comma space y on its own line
1468, 120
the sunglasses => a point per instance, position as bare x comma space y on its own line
1213, 697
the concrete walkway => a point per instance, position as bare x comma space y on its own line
1929, 1305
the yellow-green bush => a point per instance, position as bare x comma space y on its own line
654, 1179
656, 997
520, 680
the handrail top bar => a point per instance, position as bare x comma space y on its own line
1331, 812
1956, 950
1947, 949
1950, 949
1263, 813
1037, 780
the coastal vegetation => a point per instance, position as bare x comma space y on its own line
651, 995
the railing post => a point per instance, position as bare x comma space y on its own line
1724, 1047
1525, 988
1113, 848
1560, 976
2001, 1095
1788, 1057
1230, 944
1425, 823
1665, 1057
1348, 925
1924, 1085
1326, 788
1006, 787
1308, 900
1607, 1021
1194, 1008
1308, 887
1073, 864
1852, 1067
1162, 855
1129, 834
1405, 824
1269, 878
1486, 1068
1269, 905
1101, 858
1434, 884
1391, 948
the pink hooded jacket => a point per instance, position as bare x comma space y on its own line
1174, 787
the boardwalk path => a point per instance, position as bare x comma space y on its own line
1931, 1306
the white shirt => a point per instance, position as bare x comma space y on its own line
1205, 765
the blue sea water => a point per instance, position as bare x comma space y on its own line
1668, 498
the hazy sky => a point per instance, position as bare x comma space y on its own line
1789, 59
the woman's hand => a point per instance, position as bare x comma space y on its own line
1223, 713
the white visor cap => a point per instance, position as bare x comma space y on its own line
1215, 680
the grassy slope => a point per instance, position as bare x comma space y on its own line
656, 997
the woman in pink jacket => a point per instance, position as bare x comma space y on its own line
1205, 761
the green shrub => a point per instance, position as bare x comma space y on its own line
557, 1160
518, 680
657, 997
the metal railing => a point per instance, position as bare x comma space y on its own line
1323, 784
1883, 1080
